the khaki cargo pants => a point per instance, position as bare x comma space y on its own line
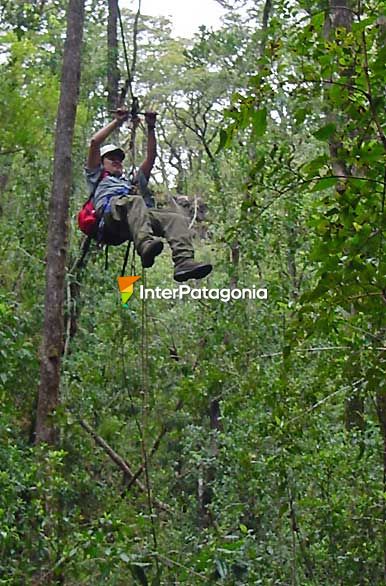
130, 219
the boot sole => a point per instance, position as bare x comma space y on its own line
197, 273
154, 250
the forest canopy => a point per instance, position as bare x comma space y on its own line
196, 441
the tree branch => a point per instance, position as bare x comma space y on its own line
121, 463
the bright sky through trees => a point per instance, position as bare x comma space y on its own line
186, 16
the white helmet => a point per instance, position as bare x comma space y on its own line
112, 148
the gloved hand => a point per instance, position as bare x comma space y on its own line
122, 114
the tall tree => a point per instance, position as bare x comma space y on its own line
58, 227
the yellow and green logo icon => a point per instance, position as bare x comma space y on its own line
126, 287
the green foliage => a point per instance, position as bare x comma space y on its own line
260, 420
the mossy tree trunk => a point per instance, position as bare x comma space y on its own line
52, 344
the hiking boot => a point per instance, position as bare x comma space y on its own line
150, 250
189, 269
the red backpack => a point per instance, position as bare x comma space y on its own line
88, 220
92, 224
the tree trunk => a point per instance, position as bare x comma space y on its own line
52, 344
74, 287
112, 56
341, 16
266, 14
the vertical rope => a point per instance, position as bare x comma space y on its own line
128, 85
143, 361
145, 407
135, 44
144, 329
145, 345
141, 425
130, 70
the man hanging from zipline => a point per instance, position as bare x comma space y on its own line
125, 215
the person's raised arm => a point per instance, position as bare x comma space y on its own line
94, 154
147, 165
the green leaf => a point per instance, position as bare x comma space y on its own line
324, 183
371, 152
258, 166
300, 115
315, 165
283, 509
223, 140
226, 137
286, 351
325, 132
259, 121
318, 19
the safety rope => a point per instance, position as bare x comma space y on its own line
130, 70
125, 261
142, 425
145, 412
145, 351
135, 39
